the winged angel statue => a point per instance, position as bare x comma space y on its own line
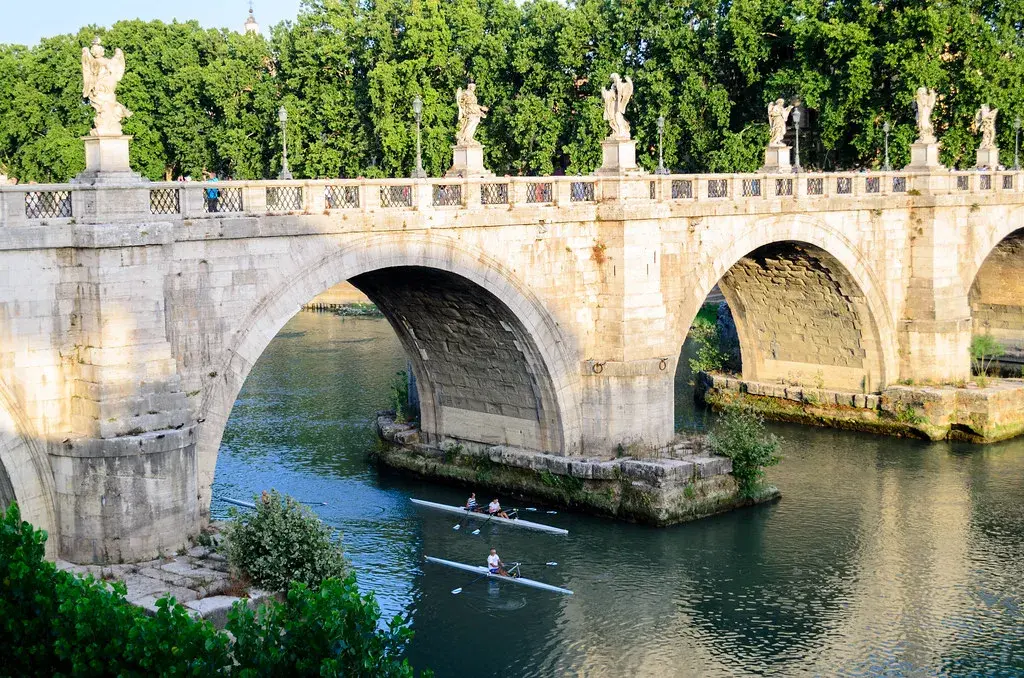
100, 76
470, 115
615, 99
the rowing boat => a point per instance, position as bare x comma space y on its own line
484, 572
515, 522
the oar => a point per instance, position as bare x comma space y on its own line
457, 591
477, 530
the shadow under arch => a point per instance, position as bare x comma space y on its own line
828, 244
553, 362
995, 285
25, 472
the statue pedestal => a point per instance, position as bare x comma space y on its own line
776, 160
468, 162
619, 158
987, 158
924, 157
106, 162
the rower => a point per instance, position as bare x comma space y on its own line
471, 504
494, 564
494, 508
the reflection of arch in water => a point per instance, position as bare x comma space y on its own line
491, 365
805, 305
25, 473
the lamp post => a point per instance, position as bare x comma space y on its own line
661, 142
417, 110
886, 128
282, 115
796, 126
1016, 143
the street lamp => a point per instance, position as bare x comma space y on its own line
661, 142
1016, 143
796, 126
417, 110
886, 128
282, 115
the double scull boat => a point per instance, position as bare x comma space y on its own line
484, 572
515, 522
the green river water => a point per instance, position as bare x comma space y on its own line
884, 557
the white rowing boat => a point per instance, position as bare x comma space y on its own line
484, 572
515, 522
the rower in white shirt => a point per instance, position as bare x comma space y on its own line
494, 508
494, 564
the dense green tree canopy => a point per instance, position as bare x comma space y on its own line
347, 71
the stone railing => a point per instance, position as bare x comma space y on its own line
62, 203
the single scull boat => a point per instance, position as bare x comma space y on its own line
484, 572
516, 522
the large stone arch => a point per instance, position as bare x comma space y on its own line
995, 283
374, 262
25, 472
829, 257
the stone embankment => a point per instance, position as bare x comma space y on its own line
681, 483
198, 579
969, 412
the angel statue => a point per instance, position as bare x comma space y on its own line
100, 76
778, 118
616, 98
924, 101
470, 115
985, 122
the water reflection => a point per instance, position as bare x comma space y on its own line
885, 556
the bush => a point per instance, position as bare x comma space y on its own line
739, 434
710, 357
55, 623
985, 350
282, 541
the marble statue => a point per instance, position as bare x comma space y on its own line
616, 98
470, 115
925, 99
985, 122
778, 118
100, 76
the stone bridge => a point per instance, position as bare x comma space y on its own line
543, 313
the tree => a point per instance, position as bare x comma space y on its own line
740, 435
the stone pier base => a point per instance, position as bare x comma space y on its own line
947, 412
684, 483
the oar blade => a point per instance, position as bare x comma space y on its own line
457, 591
476, 531
457, 527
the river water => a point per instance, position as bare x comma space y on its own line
884, 557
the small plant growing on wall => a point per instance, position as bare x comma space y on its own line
985, 350
740, 435
598, 253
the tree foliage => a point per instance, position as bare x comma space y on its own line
347, 71
55, 623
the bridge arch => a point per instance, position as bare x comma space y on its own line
799, 289
25, 472
522, 375
995, 283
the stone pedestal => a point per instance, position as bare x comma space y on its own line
468, 162
987, 158
924, 157
619, 158
106, 162
776, 160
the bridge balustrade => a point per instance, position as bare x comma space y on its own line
62, 203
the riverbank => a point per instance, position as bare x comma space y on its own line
970, 413
683, 483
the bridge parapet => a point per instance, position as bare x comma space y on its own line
35, 204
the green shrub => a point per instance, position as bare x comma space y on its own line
739, 434
985, 350
55, 623
282, 541
710, 357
